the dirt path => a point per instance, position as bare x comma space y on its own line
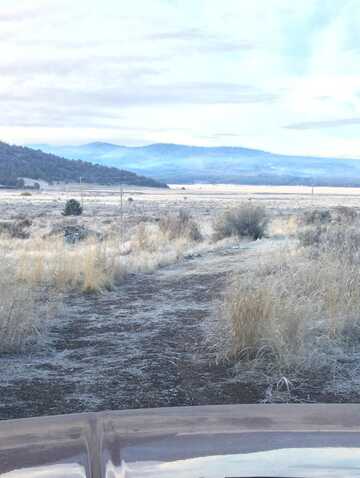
140, 345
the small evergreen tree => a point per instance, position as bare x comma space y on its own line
72, 208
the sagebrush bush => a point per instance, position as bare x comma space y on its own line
317, 217
337, 240
311, 237
16, 229
345, 214
180, 225
246, 220
342, 243
72, 208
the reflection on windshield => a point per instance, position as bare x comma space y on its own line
292, 463
65, 470
306, 462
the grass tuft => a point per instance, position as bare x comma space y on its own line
297, 317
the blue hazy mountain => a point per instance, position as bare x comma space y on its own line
174, 163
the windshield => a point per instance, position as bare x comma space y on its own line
179, 206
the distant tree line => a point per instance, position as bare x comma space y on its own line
18, 162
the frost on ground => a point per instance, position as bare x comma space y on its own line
292, 322
138, 345
129, 315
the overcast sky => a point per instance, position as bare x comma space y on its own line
280, 75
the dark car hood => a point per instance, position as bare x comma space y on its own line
192, 442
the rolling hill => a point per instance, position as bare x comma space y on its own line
173, 163
21, 162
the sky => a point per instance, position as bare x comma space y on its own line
278, 75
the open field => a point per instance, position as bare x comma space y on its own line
143, 304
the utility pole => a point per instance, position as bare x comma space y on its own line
312, 193
121, 214
81, 194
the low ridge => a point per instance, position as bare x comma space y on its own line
17, 162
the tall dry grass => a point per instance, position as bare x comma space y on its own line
180, 225
86, 267
297, 316
95, 263
23, 311
34, 267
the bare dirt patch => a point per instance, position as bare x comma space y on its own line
140, 345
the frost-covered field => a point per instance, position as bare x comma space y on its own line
151, 307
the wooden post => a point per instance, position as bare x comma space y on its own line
121, 214
81, 194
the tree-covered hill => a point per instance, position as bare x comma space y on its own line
178, 163
21, 162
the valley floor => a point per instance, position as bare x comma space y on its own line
140, 345
143, 343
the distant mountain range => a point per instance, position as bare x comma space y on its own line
18, 162
173, 163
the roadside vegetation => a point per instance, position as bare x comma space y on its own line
289, 319
44, 260
68, 257
294, 317
246, 220
17, 320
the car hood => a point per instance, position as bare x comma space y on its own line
192, 442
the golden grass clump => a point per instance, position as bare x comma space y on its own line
53, 263
284, 225
31, 269
94, 264
293, 317
23, 311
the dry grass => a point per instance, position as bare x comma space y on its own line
15, 229
33, 267
180, 225
93, 264
340, 241
297, 317
52, 263
284, 225
345, 214
23, 312
316, 217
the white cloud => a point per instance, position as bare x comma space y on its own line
235, 72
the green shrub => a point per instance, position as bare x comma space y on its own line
72, 208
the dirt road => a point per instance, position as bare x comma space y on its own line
139, 345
